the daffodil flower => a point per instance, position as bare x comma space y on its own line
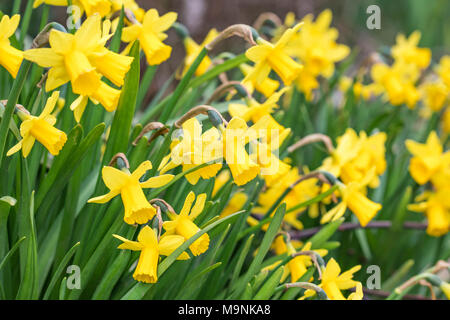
82, 59
130, 5
192, 51
269, 56
267, 87
234, 138
151, 34
354, 199
102, 7
41, 129
315, 46
183, 223
146, 269
137, 208
236, 203
298, 265
428, 158
10, 57
332, 282
255, 110
194, 149
437, 209
406, 51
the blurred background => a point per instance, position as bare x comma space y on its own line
431, 17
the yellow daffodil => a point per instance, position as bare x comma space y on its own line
137, 208
255, 110
41, 129
315, 46
435, 95
106, 95
358, 157
146, 269
333, 282
354, 199
234, 137
267, 87
445, 287
446, 121
406, 51
192, 51
220, 180
303, 191
437, 209
443, 70
151, 34
267, 57
236, 203
130, 5
101, 7
397, 82
427, 159
297, 266
194, 149
10, 57
82, 59
183, 223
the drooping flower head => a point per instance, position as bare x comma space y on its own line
42, 129
128, 185
183, 223
146, 269
10, 57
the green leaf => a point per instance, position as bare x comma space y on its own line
123, 117
11, 252
263, 249
324, 234
59, 270
68, 167
267, 290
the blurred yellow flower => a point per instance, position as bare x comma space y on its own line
192, 51
406, 51
146, 269
427, 159
41, 129
435, 95
102, 7
437, 210
315, 46
10, 57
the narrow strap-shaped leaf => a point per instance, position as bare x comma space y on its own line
268, 288
59, 270
263, 249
